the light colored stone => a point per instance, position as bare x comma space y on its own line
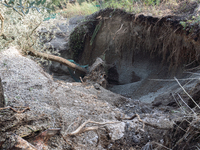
116, 130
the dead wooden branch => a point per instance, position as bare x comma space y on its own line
41, 141
66, 140
58, 59
21, 144
146, 123
183, 138
153, 142
2, 22
81, 129
27, 108
186, 92
37, 143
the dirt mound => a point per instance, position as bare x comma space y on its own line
51, 104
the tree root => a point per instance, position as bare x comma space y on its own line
146, 123
82, 129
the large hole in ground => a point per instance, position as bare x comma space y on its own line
136, 50
140, 80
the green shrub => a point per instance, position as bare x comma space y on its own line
21, 23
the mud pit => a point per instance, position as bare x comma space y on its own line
136, 50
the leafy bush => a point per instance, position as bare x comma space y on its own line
21, 23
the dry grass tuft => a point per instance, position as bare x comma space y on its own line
79, 9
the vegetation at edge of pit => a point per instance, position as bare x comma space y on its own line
21, 20
78, 36
15, 23
86, 7
77, 42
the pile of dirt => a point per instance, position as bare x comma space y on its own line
51, 104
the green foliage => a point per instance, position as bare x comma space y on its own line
22, 18
194, 21
183, 23
24, 6
128, 4
123, 4
152, 2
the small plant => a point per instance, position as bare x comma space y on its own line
194, 21
152, 2
184, 24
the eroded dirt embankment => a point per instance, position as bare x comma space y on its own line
136, 49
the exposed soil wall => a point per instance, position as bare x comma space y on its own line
137, 48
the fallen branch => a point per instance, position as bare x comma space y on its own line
186, 104
186, 92
20, 143
146, 123
183, 138
27, 108
41, 141
81, 129
2, 22
153, 142
58, 59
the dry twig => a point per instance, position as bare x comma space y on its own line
81, 129
27, 108
186, 104
20, 143
186, 92
2, 22
146, 123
